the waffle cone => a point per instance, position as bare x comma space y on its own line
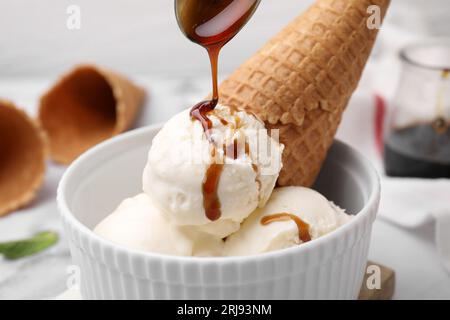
86, 106
23, 152
301, 81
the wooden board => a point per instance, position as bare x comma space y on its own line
387, 282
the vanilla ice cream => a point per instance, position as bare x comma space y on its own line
179, 159
139, 224
318, 215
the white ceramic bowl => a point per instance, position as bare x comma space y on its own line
330, 267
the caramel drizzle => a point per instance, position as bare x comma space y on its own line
193, 17
232, 150
303, 227
211, 201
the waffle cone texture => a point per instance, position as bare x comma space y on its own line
23, 152
86, 106
301, 81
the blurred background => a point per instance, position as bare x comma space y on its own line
141, 36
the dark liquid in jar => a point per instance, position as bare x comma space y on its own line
421, 150
418, 151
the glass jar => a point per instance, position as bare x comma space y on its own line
417, 132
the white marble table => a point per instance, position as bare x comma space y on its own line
410, 252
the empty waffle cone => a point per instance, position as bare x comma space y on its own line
88, 105
22, 158
301, 81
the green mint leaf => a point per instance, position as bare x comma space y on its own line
27, 247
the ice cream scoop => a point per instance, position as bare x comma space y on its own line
139, 224
184, 159
292, 216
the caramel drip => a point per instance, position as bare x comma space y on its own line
199, 112
232, 151
303, 227
211, 201
212, 24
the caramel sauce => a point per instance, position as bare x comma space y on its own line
200, 112
232, 151
211, 201
212, 24
238, 121
223, 121
303, 227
